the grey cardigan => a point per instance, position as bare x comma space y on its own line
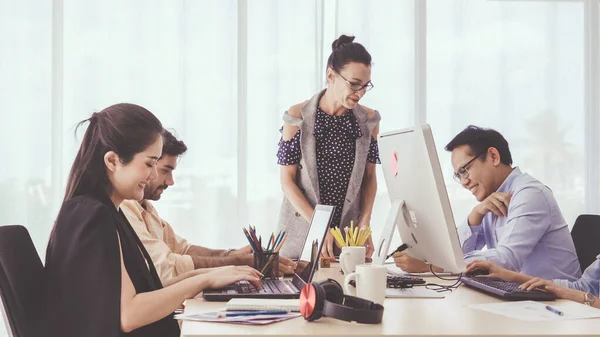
307, 179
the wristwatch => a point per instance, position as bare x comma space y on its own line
588, 299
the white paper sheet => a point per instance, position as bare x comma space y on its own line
536, 311
213, 316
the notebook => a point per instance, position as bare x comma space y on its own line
250, 304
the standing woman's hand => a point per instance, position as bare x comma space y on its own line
370, 248
327, 251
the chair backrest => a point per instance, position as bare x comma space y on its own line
21, 280
586, 235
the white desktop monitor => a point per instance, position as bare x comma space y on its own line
420, 208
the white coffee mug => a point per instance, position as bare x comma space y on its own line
371, 281
352, 256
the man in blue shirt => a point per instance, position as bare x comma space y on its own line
585, 290
517, 218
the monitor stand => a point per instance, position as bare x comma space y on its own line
395, 218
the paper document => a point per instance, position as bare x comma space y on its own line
213, 316
536, 311
393, 270
415, 292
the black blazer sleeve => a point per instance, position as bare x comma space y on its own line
83, 272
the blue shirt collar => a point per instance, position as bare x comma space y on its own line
506, 186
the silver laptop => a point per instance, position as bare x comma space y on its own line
275, 288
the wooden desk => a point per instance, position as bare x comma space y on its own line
408, 317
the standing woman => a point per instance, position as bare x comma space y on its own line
328, 150
99, 279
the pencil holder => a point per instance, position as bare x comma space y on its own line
267, 263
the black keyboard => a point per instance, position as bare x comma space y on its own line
399, 281
506, 290
268, 287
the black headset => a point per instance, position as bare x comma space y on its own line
326, 298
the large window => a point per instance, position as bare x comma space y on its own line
222, 73
386, 29
26, 116
283, 70
516, 67
179, 60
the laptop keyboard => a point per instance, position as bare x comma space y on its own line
268, 287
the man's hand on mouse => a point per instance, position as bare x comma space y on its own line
493, 269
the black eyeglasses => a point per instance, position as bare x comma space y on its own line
463, 171
356, 86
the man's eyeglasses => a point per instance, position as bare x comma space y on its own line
357, 86
463, 171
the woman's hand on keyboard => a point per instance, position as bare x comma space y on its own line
536, 283
224, 276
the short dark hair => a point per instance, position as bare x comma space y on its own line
344, 51
171, 145
126, 129
480, 140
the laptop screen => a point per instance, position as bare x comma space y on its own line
314, 241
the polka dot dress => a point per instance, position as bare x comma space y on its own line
336, 147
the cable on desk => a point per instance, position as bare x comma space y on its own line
443, 288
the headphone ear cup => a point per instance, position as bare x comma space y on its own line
312, 298
325, 298
333, 291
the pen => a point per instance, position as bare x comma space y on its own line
252, 313
554, 310
400, 248
279, 238
255, 239
249, 239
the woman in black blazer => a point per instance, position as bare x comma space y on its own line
100, 281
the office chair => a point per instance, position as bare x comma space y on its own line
586, 234
21, 280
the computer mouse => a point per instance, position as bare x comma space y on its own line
477, 272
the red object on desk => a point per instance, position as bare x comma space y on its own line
307, 300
